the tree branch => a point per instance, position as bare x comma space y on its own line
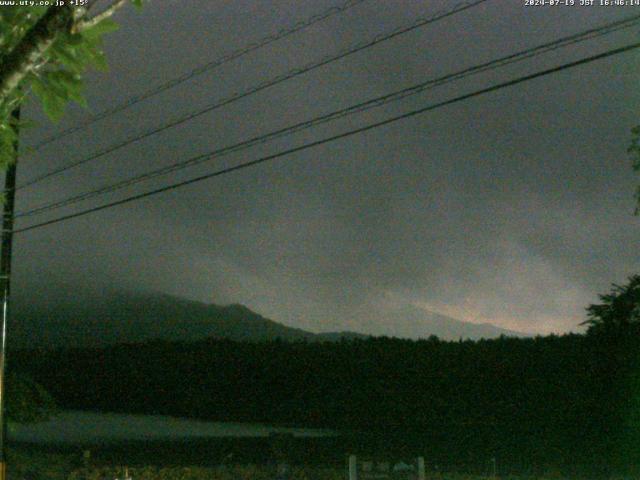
100, 16
29, 51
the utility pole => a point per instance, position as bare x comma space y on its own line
5, 277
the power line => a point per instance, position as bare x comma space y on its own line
357, 108
333, 138
262, 86
266, 84
283, 33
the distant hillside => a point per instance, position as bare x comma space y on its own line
127, 317
408, 321
109, 318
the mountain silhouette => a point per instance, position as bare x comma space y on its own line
108, 318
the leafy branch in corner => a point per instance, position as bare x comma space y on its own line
45, 51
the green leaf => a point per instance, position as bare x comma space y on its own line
54, 107
137, 3
91, 52
69, 58
52, 83
66, 79
68, 85
52, 104
7, 139
99, 60
96, 31
74, 39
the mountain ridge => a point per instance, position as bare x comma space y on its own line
125, 317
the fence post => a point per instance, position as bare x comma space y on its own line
421, 474
353, 471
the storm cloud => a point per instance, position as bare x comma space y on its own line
513, 208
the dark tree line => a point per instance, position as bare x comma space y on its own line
555, 399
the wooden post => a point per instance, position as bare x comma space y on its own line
5, 277
421, 473
353, 468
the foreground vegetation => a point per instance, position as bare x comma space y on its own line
69, 467
549, 400
569, 403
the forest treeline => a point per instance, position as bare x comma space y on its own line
547, 400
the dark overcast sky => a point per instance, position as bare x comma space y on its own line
513, 208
